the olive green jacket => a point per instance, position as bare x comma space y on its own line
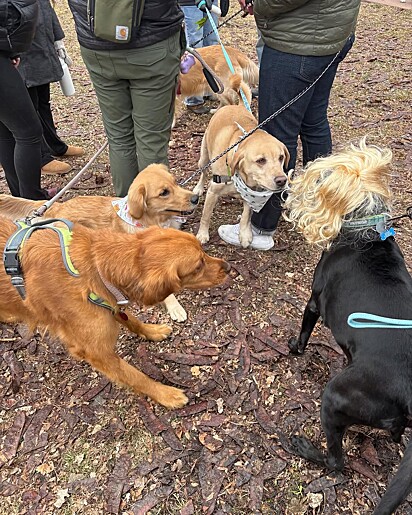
306, 27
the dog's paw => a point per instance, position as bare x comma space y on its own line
245, 238
293, 345
156, 332
198, 190
178, 313
170, 397
203, 236
305, 448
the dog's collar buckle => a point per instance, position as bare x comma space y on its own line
222, 179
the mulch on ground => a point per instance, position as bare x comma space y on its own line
74, 443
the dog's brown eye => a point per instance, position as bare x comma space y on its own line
164, 193
281, 159
261, 161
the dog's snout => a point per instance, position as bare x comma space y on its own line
280, 181
194, 199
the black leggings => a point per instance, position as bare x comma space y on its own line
52, 145
20, 135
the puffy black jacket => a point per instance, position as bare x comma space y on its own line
160, 20
18, 20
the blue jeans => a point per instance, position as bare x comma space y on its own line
193, 34
282, 76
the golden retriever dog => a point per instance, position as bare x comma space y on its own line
154, 198
258, 160
145, 267
194, 82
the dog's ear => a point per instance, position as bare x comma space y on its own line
237, 161
287, 155
136, 200
159, 284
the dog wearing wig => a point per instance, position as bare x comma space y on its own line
342, 203
154, 198
144, 267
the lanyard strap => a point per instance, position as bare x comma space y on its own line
371, 321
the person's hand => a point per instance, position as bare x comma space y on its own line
205, 4
247, 6
61, 52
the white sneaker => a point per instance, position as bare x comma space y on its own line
230, 234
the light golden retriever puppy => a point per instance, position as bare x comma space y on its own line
145, 267
194, 82
154, 198
258, 160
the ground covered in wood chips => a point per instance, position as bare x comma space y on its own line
74, 443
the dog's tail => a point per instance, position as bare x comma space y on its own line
14, 208
399, 487
250, 70
237, 84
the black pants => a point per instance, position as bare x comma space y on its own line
20, 135
52, 145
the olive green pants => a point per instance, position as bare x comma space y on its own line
136, 93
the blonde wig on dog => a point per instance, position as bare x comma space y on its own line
347, 185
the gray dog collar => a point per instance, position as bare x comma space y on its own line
255, 199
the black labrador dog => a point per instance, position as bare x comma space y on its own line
358, 272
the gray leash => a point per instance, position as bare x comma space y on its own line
277, 113
42, 209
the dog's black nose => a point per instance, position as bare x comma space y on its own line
280, 181
194, 199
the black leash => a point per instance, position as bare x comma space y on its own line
227, 20
408, 214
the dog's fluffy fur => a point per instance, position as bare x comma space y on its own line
153, 199
146, 267
194, 82
259, 160
357, 273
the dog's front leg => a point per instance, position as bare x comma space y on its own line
245, 227
310, 317
213, 193
105, 360
152, 332
175, 309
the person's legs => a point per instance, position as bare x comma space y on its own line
259, 45
20, 135
136, 93
282, 77
210, 39
113, 94
153, 93
55, 143
315, 131
193, 34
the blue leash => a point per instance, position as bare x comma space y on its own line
370, 321
229, 62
